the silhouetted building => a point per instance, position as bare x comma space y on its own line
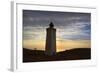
50, 40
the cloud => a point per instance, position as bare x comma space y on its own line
69, 25
33, 33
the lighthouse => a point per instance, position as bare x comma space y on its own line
50, 48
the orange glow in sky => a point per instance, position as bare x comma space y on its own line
61, 45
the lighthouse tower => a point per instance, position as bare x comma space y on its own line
50, 40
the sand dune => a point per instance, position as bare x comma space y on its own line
73, 54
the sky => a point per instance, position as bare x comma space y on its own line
73, 30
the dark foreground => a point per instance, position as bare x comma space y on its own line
74, 54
